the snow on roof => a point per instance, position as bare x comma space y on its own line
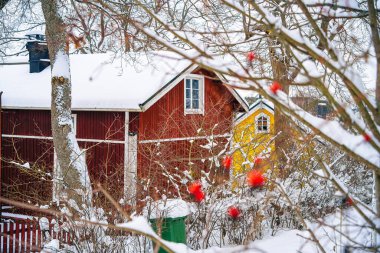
260, 103
34, 32
99, 81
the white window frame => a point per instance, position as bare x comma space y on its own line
257, 126
74, 117
201, 80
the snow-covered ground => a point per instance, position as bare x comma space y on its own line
330, 231
295, 241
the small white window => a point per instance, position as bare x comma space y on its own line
74, 119
194, 94
262, 123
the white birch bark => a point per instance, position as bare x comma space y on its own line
74, 187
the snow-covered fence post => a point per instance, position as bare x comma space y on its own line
44, 225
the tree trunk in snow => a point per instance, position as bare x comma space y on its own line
74, 183
281, 74
281, 125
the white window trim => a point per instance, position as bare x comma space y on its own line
74, 116
256, 125
201, 109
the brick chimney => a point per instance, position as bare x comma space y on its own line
38, 51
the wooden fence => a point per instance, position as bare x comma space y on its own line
25, 235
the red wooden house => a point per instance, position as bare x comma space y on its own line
140, 120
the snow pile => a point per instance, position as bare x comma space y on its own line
52, 246
140, 224
61, 65
168, 208
44, 224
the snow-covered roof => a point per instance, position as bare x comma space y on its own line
35, 32
99, 81
260, 103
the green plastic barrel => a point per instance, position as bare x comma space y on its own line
172, 229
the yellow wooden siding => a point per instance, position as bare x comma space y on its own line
248, 144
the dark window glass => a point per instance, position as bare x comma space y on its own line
262, 124
322, 110
195, 94
195, 84
195, 104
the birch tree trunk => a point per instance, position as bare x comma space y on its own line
74, 185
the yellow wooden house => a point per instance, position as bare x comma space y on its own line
253, 140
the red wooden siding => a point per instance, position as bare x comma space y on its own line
105, 163
104, 160
90, 125
27, 122
166, 119
35, 183
134, 122
163, 167
100, 125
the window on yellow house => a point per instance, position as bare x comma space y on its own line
262, 124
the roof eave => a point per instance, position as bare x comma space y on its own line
167, 87
252, 110
237, 96
74, 109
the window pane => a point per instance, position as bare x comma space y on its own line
262, 124
188, 83
195, 94
195, 84
195, 104
188, 104
187, 93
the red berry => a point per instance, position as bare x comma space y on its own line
233, 212
250, 56
194, 187
199, 195
366, 137
258, 160
349, 201
275, 87
255, 179
227, 162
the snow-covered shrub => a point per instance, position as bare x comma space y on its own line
261, 212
